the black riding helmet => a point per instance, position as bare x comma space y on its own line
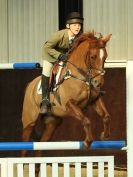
74, 17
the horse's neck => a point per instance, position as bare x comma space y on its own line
76, 62
78, 55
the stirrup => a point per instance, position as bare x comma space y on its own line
46, 102
45, 106
43, 109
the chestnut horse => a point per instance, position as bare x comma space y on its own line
85, 68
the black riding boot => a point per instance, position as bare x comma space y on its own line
45, 105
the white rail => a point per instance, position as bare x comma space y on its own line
14, 167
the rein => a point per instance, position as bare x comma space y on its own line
87, 76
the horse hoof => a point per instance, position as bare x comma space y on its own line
87, 145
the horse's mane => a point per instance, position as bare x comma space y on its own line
90, 37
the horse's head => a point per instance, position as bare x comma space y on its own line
90, 55
95, 60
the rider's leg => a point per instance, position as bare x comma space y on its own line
45, 87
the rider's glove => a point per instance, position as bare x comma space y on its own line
63, 57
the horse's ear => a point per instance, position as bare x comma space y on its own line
106, 38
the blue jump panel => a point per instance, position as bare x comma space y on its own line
16, 146
108, 144
26, 65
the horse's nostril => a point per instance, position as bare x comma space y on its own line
96, 83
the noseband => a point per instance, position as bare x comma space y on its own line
89, 73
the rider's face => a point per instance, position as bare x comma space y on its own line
75, 28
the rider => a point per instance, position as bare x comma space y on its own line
56, 48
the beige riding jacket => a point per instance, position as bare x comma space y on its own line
56, 45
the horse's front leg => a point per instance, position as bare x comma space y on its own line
100, 108
77, 113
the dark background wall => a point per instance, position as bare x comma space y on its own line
67, 6
12, 88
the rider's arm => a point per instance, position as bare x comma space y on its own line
56, 45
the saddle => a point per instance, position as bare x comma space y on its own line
58, 75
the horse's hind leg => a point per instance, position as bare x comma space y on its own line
78, 114
51, 124
25, 137
102, 111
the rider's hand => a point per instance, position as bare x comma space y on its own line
63, 57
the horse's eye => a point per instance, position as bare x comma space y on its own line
93, 57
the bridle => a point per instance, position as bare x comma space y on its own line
90, 68
87, 76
